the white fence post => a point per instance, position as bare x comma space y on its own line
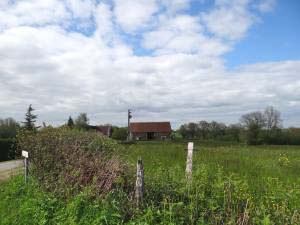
139, 184
25, 155
189, 162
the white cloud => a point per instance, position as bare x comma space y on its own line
32, 12
182, 34
134, 14
266, 5
63, 72
173, 6
81, 8
229, 19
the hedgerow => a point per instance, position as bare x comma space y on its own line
65, 161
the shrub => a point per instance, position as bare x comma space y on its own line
283, 161
7, 149
119, 133
67, 161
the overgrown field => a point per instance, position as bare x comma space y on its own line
231, 184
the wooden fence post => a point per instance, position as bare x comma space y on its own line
139, 184
189, 162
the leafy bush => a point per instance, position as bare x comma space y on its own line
67, 161
119, 133
7, 149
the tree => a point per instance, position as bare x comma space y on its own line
216, 129
273, 132
70, 122
234, 131
30, 119
82, 121
253, 122
272, 118
192, 130
8, 128
183, 130
189, 130
203, 129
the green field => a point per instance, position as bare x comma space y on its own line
252, 163
232, 184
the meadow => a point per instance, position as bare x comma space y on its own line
232, 184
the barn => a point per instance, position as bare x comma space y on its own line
150, 130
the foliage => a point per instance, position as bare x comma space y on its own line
272, 118
70, 122
293, 136
176, 136
8, 131
119, 133
66, 161
262, 127
231, 185
210, 131
30, 119
7, 149
29, 204
253, 122
259, 127
8, 128
82, 121
283, 161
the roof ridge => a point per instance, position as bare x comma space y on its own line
153, 122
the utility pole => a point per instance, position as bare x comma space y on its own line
129, 116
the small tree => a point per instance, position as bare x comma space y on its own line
30, 119
216, 129
272, 117
203, 129
82, 121
70, 122
273, 125
253, 122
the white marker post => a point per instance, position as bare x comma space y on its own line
189, 162
25, 155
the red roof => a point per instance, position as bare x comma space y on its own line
141, 127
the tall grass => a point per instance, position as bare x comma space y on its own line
231, 185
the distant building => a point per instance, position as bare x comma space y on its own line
104, 129
150, 130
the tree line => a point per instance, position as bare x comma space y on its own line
258, 127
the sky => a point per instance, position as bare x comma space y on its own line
167, 60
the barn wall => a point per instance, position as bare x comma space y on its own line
143, 136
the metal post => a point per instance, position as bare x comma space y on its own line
128, 130
128, 125
139, 184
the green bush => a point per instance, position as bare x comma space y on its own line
119, 133
66, 161
7, 149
